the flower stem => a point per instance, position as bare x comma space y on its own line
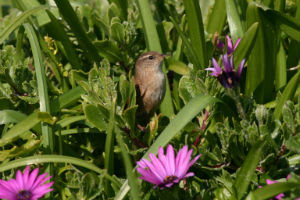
234, 94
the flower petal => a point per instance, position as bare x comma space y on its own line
229, 45
158, 165
237, 43
226, 64
240, 69
171, 159
217, 67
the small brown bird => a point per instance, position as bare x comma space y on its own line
150, 82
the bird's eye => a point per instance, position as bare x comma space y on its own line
150, 57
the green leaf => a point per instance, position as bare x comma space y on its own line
186, 114
270, 191
234, 20
129, 116
123, 6
260, 71
68, 98
288, 93
245, 173
69, 120
71, 18
62, 36
25, 125
178, 67
191, 52
293, 143
196, 31
151, 35
117, 32
55, 159
131, 176
109, 146
246, 44
217, 18
280, 74
108, 49
18, 21
11, 116
48, 142
287, 24
96, 116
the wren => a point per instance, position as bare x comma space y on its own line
150, 82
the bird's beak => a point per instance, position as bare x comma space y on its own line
165, 55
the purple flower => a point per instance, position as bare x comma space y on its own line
231, 49
167, 169
26, 186
227, 77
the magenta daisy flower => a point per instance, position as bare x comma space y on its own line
165, 170
26, 186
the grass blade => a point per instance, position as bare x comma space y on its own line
61, 34
196, 31
109, 146
244, 175
42, 85
270, 191
217, 18
66, 99
260, 71
151, 35
287, 94
71, 18
55, 159
132, 179
18, 21
191, 53
234, 20
11, 116
25, 125
280, 72
246, 45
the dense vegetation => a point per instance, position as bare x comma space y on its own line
68, 100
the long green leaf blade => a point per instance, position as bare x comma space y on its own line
25, 125
55, 159
48, 142
287, 94
67, 44
234, 20
217, 18
245, 46
196, 31
71, 18
260, 72
132, 179
18, 21
270, 191
247, 170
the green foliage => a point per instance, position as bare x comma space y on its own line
67, 95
